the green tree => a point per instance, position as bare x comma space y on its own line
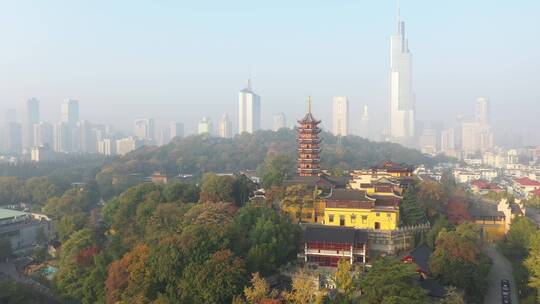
264, 237
390, 281
276, 169
440, 223
11, 190
304, 290
411, 213
216, 188
39, 190
258, 291
344, 281
521, 230
179, 192
458, 261
431, 195
72, 273
216, 280
242, 188
532, 263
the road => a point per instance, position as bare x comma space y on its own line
501, 269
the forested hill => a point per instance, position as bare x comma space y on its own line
200, 154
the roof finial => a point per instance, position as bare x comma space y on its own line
309, 104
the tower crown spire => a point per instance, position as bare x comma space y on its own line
249, 83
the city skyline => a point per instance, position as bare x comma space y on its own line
292, 68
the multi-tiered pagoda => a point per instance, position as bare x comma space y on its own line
308, 145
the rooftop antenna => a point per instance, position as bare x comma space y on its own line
398, 17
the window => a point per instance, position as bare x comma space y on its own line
364, 219
378, 214
342, 220
331, 218
353, 218
377, 225
389, 214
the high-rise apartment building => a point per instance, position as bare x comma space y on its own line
448, 138
402, 103
145, 129
280, 121
12, 137
107, 146
225, 127
365, 131
205, 126
31, 118
340, 116
43, 134
176, 129
249, 110
69, 113
62, 137
482, 113
128, 144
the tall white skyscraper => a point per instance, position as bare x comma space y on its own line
225, 127
482, 114
205, 126
249, 110
340, 116
31, 118
69, 112
280, 121
364, 124
402, 103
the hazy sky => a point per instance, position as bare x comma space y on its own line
180, 60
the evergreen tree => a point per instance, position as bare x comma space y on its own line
412, 213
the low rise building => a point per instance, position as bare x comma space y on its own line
325, 246
24, 229
353, 208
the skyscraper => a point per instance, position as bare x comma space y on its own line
482, 111
62, 137
340, 116
205, 126
225, 127
402, 103
280, 121
69, 112
364, 124
249, 110
145, 129
31, 118
43, 134
176, 129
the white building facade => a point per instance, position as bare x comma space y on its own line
249, 110
340, 116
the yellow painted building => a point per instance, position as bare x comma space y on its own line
309, 213
352, 208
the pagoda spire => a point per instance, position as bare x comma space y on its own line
309, 104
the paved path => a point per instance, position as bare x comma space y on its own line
501, 269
